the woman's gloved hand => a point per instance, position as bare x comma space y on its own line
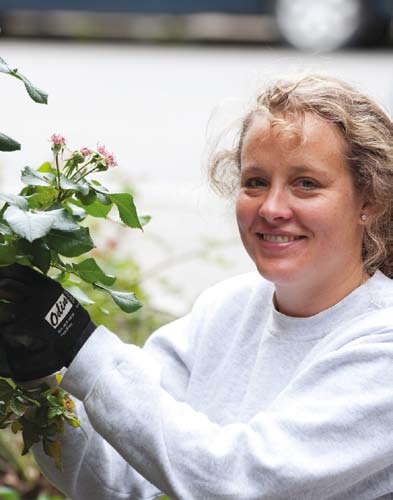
42, 326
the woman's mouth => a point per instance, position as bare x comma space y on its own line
278, 238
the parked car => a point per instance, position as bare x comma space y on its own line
305, 24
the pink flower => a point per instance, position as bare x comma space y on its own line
85, 151
110, 159
57, 140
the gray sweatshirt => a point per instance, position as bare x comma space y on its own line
236, 401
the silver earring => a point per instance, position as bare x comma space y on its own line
363, 217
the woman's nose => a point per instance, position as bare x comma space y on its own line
275, 205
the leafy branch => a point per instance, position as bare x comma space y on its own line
39, 413
39, 96
43, 227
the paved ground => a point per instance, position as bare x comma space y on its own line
152, 105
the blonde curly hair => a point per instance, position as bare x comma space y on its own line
368, 134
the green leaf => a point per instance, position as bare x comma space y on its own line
144, 219
38, 250
7, 254
79, 295
5, 229
13, 199
46, 167
68, 184
97, 209
83, 187
8, 144
127, 210
63, 220
17, 407
6, 391
97, 186
88, 198
90, 271
28, 225
42, 198
70, 243
77, 211
103, 198
34, 92
53, 449
4, 68
125, 300
32, 177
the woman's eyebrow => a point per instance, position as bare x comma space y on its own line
296, 169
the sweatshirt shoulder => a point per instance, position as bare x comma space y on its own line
237, 290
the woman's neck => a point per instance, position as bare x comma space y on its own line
307, 299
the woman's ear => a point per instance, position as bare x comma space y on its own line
368, 212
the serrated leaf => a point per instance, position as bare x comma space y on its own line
97, 209
97, 186
32, 177
16, 200
53, 449
38, 250
126, 207
77, 211
70, 243
8, 144
6, 391
46, 167
28, 225
54, 412
42, 198
144, 219
4, 68
7, 254
103, 198
86, 199
34, 92
68, 184
90, 271
83, 187
80, 295
17, 407
30, 436
125, 300
4, 229
63, 220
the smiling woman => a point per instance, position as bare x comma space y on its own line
277, 385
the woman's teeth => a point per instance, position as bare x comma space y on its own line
278, 238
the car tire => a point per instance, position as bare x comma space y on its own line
326, 25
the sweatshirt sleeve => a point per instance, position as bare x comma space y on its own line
325, 433
92, 468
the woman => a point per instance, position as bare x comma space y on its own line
279, 383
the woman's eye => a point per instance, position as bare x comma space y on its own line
255, 182
307, 184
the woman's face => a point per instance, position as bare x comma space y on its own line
297, 210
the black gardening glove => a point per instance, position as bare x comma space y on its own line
42, 326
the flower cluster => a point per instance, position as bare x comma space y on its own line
82, 162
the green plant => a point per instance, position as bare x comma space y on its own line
43, 227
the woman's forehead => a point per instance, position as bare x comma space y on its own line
290, 132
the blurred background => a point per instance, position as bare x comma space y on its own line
156, 82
